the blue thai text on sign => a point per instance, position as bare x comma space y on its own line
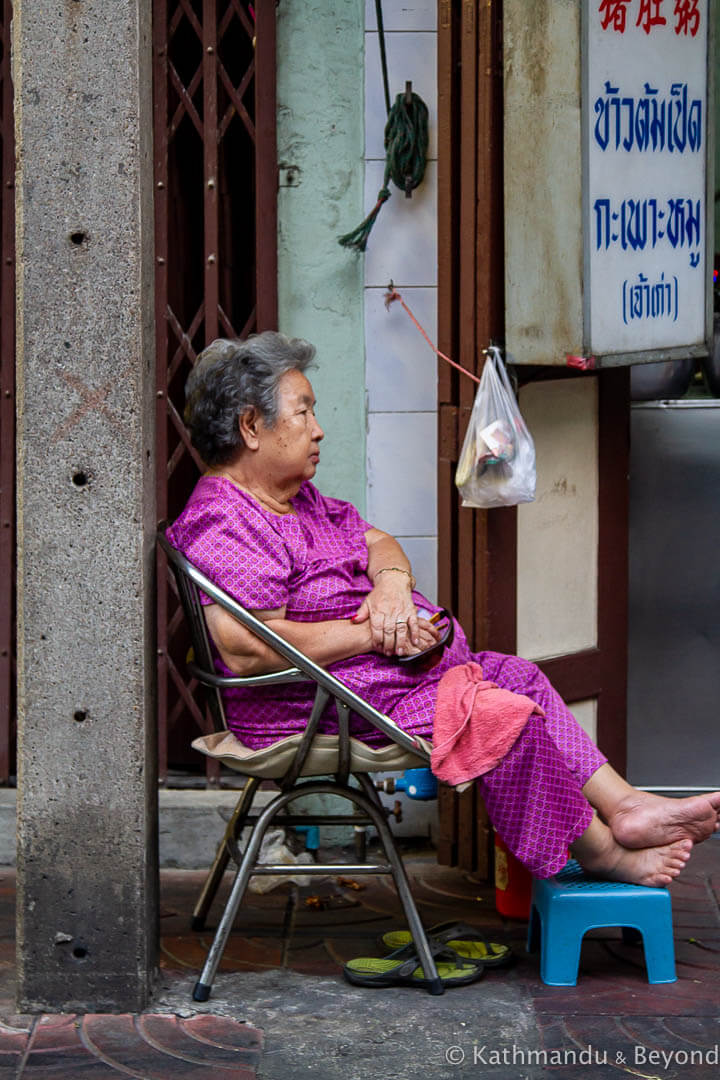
645, 118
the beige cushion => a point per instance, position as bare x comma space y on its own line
272, 762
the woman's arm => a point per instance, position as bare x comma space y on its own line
385, 553
386, 621
324, 642
389, 607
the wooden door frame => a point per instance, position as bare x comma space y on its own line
477, 550
470, 316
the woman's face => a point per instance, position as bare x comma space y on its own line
290, 451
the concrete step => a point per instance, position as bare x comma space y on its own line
192, 822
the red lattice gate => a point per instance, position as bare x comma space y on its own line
216, 251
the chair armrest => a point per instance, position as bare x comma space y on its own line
288, 675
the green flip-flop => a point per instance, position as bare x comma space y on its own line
467, 941
402, 968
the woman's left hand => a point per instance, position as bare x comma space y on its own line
393, 616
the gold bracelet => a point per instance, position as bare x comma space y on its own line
399, 570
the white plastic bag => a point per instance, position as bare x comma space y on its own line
497, 461
274, 849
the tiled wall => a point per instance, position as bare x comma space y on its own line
400, 367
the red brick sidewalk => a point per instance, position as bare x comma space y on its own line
104, 1046
311, 932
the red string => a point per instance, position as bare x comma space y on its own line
390, 296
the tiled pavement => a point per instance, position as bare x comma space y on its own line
280, 1007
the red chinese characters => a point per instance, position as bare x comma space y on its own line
687, 17
614, 15
614, 11
649, 15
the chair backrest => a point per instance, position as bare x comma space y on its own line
202, 654
301, 669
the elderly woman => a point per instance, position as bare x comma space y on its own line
343, 592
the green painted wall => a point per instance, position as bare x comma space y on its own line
320, 150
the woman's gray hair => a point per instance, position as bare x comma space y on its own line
230, 377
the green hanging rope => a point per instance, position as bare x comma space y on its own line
406, 143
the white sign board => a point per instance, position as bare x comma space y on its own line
645, 109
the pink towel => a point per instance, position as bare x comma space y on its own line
476, 723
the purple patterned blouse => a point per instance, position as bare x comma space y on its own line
315, 563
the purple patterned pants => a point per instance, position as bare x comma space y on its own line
534, 796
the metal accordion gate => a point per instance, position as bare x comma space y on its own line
215, 258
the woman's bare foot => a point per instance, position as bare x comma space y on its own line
599, 853
644, 820
655, 866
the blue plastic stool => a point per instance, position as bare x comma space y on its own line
566, 906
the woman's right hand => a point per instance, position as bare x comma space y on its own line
427, 636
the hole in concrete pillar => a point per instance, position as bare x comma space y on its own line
79, 715
80, 479
80, 952
78, 238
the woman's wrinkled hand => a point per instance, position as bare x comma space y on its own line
395, 628
428, 635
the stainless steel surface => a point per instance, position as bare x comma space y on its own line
674, 604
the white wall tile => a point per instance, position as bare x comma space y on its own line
585, 712
403, 242
401, 368
422, 553
403, 14
409, 56
401, 472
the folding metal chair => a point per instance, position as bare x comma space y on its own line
289, 763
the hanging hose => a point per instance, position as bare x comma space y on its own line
406, 143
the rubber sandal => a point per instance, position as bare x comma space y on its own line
402, 968
465, 940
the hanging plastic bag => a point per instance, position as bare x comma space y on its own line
497, 462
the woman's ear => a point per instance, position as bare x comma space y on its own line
248, 425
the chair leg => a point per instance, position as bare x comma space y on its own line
203, 986
360, 831
369, 789
244, 872
402, 885
222, 857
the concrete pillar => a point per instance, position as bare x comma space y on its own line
87, 895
